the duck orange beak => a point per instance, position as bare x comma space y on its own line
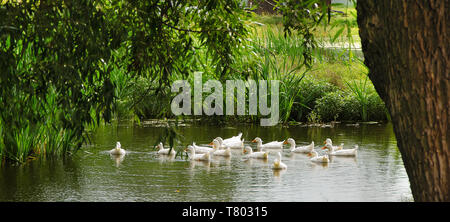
245, 151
253, 141
211, 143
309, 154
324, 147
285, 142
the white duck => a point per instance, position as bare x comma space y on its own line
343, 152
234, 144
272, 145
117, 150
202, 149
200, 157
217, 151
277, 164
163, 151
299, 149
328, 141
256, 155
233, 139
318, 159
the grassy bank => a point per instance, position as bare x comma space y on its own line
335, 88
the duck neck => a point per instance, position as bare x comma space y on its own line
220, 140
292, 145
191, 153
259, 145
331, 148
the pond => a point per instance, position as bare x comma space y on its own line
375, 174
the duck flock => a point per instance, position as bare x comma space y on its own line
222, 147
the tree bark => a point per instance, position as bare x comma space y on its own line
405, 48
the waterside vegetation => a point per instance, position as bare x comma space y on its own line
69, 67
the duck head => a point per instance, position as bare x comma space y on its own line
328, 146
257, 140
247, 149
312, 154
215, 143
189, 148
219, 139
160, 146
289, 141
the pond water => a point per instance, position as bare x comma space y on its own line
375, 174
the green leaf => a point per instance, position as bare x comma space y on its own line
338, 33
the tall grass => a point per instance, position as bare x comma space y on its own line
44, 137
289, 74
274, 57
362, 93
269, 54
272, 38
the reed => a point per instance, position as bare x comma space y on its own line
362, 92
268, 54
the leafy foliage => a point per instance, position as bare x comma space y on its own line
310, 90
329, 107
68, 50
69, 65
303, 16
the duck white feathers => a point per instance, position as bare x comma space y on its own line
234, 144
202, 149
318, 159
277, 164
328, 141
118, 150
343, 152
233, 139
199, 157
271, 145
256, 155
163, 151
299, 149
220, 152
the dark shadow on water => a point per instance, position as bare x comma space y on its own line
375, 174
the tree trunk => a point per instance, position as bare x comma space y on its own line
405, 48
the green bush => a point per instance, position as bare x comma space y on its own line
371, 107
345, 106
330, 106
313, 117
351, 108
310, 91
